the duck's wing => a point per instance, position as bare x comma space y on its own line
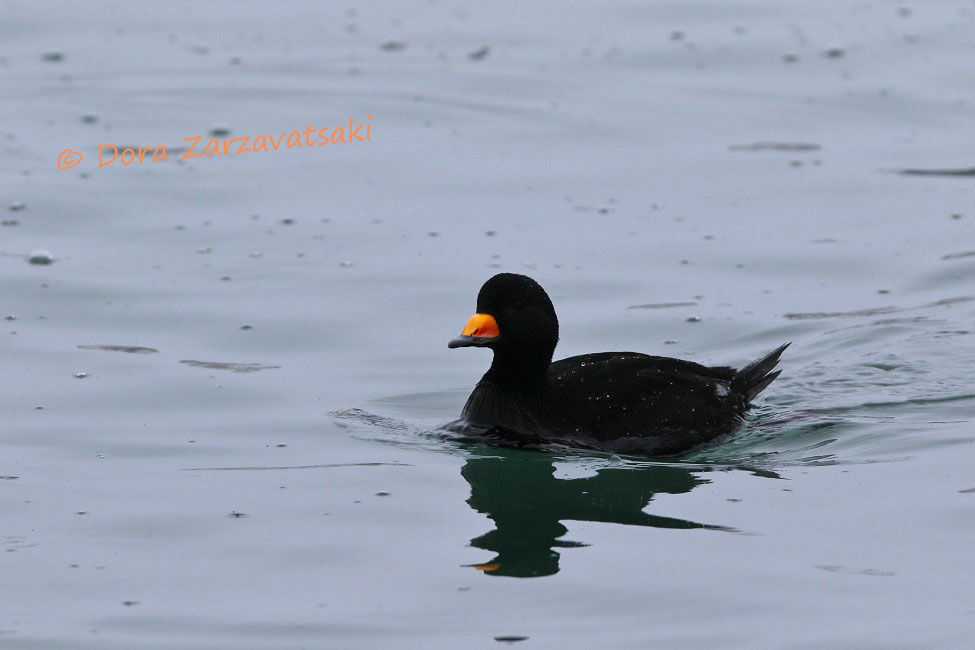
606, 368
616, 394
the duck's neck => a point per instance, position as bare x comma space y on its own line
519, 371
511, 394
500, 405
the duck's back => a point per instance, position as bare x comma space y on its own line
613, 395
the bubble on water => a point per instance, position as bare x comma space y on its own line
41, 257
16, 206
392, 46
89, 118
289, 221
218, 130
383, 493
236, 515
345, 264
246, 327
790, 57
80, 375
52, 56
693, 319
10, 317
677, 35
9, 222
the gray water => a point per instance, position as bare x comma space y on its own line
265, 474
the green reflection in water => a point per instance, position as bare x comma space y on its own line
520, 493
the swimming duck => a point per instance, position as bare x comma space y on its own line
620, 402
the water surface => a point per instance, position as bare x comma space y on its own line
221, 395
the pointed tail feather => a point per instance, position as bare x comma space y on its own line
753, 378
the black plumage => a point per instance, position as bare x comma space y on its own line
622, 402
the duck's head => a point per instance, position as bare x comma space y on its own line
515, 318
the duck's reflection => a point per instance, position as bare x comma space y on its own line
520, 493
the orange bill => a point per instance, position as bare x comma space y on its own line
480, 330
